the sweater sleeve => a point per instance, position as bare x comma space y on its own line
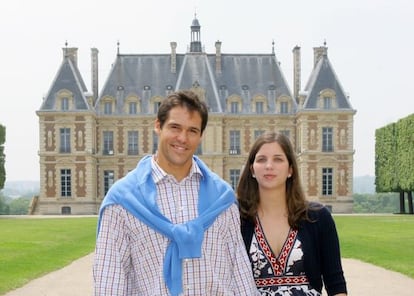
331, 267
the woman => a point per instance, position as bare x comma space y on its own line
292, 244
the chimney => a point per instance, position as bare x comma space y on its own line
94, 73
72, 54
296, 72
173, 57
218, 57
318, 53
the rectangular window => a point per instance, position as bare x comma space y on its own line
259, 108
65, 183
327, 139
257, 133
156, 107
284, 108
108, 108
108, 142
132, 142
64, 140
108, 180
154, 142
327, 103
286, 133
132, 108
64, 104
327, 181
234, 178
234, 142
234, 107
199, 150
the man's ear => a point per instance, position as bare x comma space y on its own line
157, 126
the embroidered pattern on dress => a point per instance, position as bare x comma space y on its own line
281, 275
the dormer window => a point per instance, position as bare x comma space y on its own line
132, 108
327, 103
64, 104
234, 104
259, 105
259, 108
327, 99
64, 100
108, 108
234, 107
284, 107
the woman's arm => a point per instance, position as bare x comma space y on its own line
331, 266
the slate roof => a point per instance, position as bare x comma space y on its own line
323, 77
241, 75
244, 75
69, 78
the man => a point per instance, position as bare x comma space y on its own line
171, 226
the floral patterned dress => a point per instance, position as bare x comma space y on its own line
281, 275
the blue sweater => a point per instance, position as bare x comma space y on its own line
321, 253
137, 193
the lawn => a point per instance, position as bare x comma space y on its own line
383, 240
32, 247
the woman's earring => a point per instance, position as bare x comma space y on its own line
254, 176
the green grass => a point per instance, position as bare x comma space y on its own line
31, 247
383, 240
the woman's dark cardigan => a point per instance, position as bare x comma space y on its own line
321, 253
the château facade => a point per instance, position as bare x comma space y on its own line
90, 139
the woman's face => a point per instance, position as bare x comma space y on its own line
271, 167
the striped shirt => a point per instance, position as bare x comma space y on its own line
129, 254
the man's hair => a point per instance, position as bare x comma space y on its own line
186, 99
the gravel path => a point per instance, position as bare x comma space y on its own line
76, 280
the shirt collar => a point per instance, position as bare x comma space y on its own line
159, 174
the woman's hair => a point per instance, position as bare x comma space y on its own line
186, 99
248, 189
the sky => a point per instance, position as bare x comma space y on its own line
370, 46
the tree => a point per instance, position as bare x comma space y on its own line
2, 156
394, 161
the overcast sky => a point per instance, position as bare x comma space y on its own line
370, 45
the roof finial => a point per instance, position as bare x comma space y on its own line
324, 42
273, 46
66, 44
117, 45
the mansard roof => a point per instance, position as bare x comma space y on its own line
323, 77
243, 75
67, 78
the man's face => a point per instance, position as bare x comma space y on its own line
178, 140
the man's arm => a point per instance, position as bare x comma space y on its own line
243, 274
110, 269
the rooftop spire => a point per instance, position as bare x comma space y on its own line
195, 45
